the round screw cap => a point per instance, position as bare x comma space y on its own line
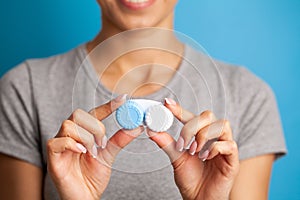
130, 115
158, 118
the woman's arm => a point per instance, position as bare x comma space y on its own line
19, 179
253, 178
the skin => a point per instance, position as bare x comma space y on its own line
80, 172
220, 176
194, 178
116, 19
16, 175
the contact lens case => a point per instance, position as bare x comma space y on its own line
136, 112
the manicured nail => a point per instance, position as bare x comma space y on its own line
121, 98
81, 147
204, 155
170, 101
135, 131
94, 151
193, 148
179, 144
104, 142
150, 133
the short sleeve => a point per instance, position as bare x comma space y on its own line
260, 129
19, 135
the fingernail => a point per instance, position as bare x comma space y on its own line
193, 148
150, 133
94, 151
170, 101
179, 144
204, 155
134, 132
81, 147
121, 98
104, 142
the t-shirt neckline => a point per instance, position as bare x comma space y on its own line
102, 90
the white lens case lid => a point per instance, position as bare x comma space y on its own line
158, 118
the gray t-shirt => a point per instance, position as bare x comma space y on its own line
37, 95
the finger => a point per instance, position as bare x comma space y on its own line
193, 148
118, 141
181, 114
103, 111
56, 146
91, 124
227, 148
219, 129
79, 134
192, 127
167, 143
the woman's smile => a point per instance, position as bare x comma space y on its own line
137, 4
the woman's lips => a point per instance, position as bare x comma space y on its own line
137, 4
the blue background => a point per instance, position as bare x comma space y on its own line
262, 35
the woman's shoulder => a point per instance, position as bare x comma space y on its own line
233, 77
64, 62
40, 71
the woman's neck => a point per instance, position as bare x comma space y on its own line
137, 57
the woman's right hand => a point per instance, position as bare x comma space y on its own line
78, 168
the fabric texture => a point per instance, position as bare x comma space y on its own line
37, 95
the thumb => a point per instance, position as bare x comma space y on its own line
118, 141
167, 143
180, 113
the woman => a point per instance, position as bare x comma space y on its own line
46, 152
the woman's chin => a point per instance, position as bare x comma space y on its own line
138, 24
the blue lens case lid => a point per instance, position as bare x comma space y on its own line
130, 115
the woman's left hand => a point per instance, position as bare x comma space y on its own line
201, 174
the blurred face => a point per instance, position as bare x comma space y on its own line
131, 14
